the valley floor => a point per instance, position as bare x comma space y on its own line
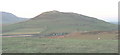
87, 42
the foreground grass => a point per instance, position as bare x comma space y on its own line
63, 45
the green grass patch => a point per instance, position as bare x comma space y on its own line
63, 45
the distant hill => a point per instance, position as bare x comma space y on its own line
9, 18
55, 21
114, 22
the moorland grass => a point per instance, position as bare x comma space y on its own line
62, 45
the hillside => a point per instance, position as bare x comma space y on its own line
55, 21
8, 18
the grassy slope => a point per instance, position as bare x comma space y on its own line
60, 22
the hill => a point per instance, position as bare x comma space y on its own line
55, 21
115, 23
9, 18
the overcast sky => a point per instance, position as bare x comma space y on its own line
102, 9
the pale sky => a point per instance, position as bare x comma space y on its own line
101, 9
